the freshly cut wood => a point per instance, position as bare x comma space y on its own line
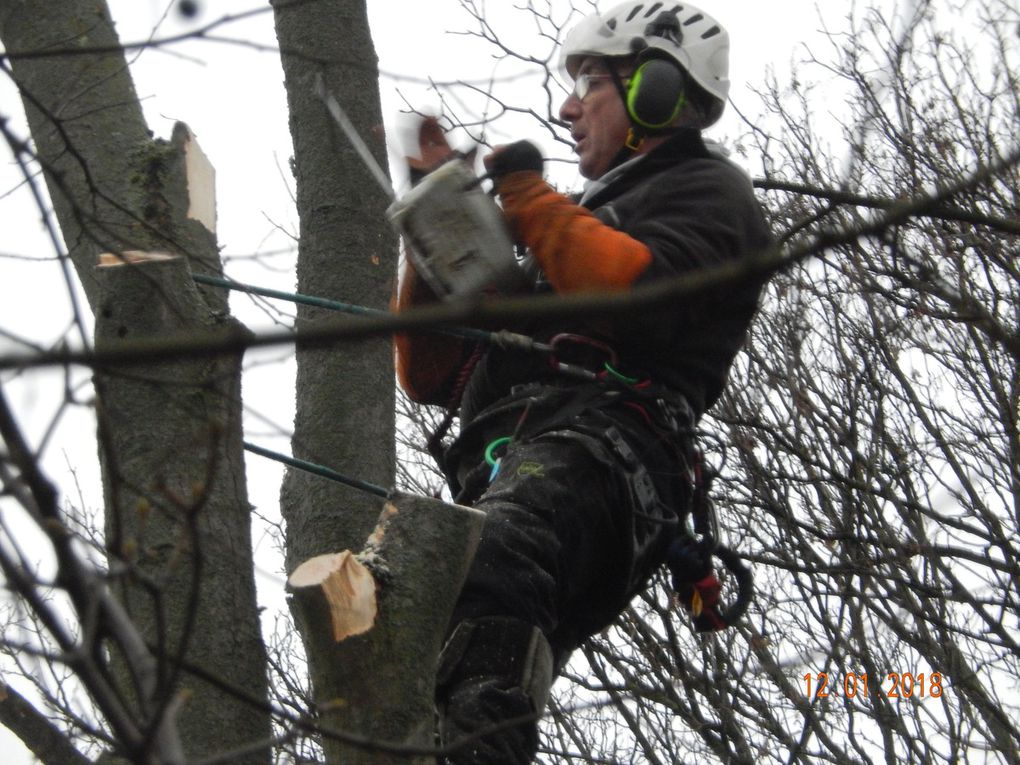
347, 587
107, 259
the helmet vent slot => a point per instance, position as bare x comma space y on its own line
634, 12
653, 9
693, 19
712, 32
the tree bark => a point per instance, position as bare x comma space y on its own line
345, 395
177, 508
177, 523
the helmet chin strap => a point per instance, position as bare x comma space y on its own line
635, 135
635, 138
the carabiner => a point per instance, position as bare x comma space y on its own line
490, 456
559, 342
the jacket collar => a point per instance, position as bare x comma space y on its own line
686, 144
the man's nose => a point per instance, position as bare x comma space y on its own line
570, 110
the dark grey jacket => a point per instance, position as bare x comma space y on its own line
693, 210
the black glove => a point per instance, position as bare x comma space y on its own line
513, 158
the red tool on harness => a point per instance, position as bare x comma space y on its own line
689, 560
698, 588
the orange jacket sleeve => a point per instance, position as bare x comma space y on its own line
427, 363
576, 250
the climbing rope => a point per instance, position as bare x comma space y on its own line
560, 346
333, 305
502, 338
320, 470
351, 308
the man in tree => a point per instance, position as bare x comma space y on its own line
585, 478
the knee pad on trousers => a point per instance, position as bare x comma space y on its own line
492, 685
500, 648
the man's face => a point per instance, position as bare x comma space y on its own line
598, 122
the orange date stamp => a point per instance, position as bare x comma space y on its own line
892, 685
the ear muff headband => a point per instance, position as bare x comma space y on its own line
656, 92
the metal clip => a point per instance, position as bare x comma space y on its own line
621, 447
562, 341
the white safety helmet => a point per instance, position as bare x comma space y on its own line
702, 51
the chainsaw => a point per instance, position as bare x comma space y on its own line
456, 235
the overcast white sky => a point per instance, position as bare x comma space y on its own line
232, 97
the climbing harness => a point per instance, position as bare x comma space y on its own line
696, 545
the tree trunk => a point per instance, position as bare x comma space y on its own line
382, 692
375, 686
345, 394
177, 523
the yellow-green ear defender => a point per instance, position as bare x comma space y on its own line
655, 94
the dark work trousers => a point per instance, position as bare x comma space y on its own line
566, 544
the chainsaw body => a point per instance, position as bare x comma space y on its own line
456, 235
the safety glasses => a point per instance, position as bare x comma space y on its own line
582, 85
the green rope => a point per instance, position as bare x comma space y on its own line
502, 338
333, 305
319, 470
